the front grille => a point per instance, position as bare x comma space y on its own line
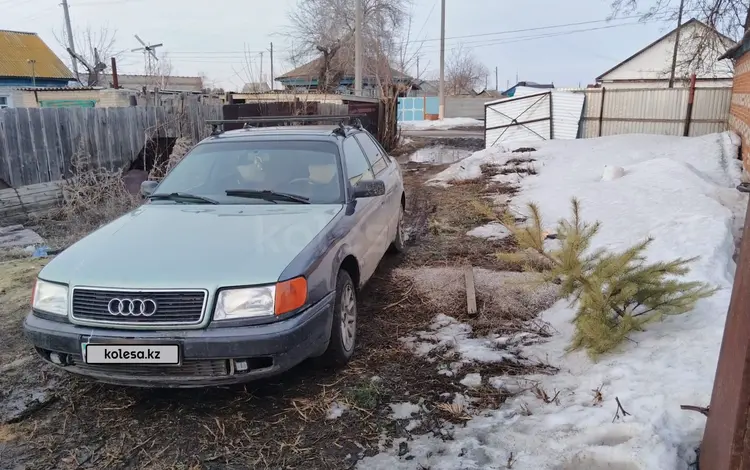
172, 307
189, 368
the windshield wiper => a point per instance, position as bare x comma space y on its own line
268, 195
183, 197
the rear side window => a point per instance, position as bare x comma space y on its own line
357, 166
374, 153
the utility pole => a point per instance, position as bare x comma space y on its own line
148, 56
496, 85
418, 67
358, 49
272, 77
261, 67
676, 44
69, 30
441, 109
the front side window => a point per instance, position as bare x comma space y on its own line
309, 169
373, 152
357, 166
4, 102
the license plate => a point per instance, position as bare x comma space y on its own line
131, 353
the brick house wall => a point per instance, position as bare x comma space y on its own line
739, 113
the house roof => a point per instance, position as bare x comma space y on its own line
343, 61
692, 21
17, 48
256, 87
739, 49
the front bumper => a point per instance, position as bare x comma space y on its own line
208, 356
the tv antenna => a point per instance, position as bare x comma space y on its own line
149, 56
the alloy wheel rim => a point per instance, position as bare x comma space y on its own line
348, 317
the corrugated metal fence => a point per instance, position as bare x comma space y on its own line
37, 144
654, 111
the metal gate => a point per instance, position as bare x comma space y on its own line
526, 117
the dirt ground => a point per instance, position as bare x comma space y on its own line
49, 419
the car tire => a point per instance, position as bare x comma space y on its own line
399, 243
344, 327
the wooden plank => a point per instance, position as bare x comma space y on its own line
5, 162
103, 157
66, 145
26, 152
39, 161
53, 147
14, 154
471, 295
92, 137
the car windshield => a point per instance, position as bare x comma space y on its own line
257, 172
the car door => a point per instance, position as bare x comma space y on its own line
365, 231
385, 169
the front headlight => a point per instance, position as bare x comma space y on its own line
245, 303
50, 297
254, 302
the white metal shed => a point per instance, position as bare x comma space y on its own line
542, 115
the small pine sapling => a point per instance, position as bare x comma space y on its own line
616, 293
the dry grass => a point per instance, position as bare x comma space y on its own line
181, 147
91, 198
505, 300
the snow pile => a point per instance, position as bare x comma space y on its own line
447, 123
679, 191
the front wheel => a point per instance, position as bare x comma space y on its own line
398, 244
344, 327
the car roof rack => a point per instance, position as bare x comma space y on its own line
217, 125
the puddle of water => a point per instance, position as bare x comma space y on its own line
439, 155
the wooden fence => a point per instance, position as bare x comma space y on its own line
612, 111
37, 144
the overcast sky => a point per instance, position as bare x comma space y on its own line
209, 37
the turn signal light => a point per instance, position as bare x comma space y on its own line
290, 295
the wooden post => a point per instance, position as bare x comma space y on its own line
471, 294
115, 80
689, 113
601, 112
726, 441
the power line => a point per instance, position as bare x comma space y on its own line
199, 58
468, 36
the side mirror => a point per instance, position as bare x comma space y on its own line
147, 188
369, 188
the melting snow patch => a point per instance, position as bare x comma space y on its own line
336, 410
448, 334
404, 410
413, 424
439, 155
447, 123
472, 380
491, 231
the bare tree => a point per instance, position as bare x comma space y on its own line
94, 50
162, 71
463, 71
323, 27
698, 49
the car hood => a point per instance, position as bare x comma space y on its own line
191, 246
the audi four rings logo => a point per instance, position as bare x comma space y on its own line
134, 307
